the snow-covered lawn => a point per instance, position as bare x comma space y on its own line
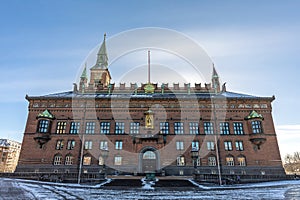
40, 190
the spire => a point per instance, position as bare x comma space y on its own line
102, 59
84, 74
215, 80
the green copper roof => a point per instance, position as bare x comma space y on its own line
46, 114
84, 74
254, 115
102, 58
215, 74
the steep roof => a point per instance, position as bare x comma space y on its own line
102, 58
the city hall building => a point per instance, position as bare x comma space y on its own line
100, 127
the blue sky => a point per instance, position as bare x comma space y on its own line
254, 45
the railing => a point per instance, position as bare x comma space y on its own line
56, 177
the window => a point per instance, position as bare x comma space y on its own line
178, 127
238, 128
164, 127
88, 145
104, 145
119, 144
104, 127
101, 160
70, 144
61, 127
43, 126
179, 145
149, 155
229, 161
59, 144
194, 128
241, 161
256, 127
180, 161
120, 128
224, 128
87, 159
212, 161
239, 145
210, 146
75, 127
228, 145
208, 128
134, 128
118, 160
57, 159
195, 145
90, 128
69, 160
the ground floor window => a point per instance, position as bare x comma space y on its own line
118, 160
57, 159
229, 161
212, 161
241, 161
87, 160
180, 161
69, 160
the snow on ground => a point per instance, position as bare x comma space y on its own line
40, 190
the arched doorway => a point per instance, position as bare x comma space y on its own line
149, 161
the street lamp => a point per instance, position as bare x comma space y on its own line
194, 155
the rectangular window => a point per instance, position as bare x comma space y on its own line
256, 127
212, 161
164, 127
210, 146
59, 144
208, 128
103, 145
239, 145
88, 145
180, 161
224, 128
120, 128
228, 145
118, 160
194, 128
71, 144
178, 128
119, 145
195, 145
179, 145
229, 161
61, 127
104, 127
134, 128
87, 160
238, 128
43, 126
90, 128
75, 127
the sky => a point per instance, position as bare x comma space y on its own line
253, 44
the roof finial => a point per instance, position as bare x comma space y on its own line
149, 66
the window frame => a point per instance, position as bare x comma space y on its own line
105, 128
164, 128
119, 128
90, 128
238, 128
74, 127
134, 128
224, 128
43, 126
178, 128
61, 127
208, 128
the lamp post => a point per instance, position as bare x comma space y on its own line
194, 155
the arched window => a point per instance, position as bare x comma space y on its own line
229, 161
180, 161
57, 159
212, 161
149, 155
69, 159
241, 161
101, 160
87, 159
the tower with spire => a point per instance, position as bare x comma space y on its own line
99, 75
215, 80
